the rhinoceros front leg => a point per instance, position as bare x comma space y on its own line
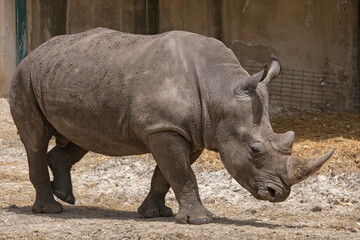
154, 203
60, 160
171, 153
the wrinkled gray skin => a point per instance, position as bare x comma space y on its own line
171, 94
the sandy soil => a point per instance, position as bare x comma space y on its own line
109, 190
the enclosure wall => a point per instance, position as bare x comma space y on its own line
318, 37
7, 44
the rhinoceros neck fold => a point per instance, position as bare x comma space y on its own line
216, 76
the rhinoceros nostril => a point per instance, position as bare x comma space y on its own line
271, 191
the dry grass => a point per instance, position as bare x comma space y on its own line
316, 134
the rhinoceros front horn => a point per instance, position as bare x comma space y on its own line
299, 169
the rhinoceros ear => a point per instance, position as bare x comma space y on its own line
274, 71
251, 83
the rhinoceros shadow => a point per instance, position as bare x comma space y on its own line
254, 223
92, 212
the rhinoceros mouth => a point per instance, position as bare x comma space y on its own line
272, 191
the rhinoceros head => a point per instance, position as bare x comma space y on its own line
259, 159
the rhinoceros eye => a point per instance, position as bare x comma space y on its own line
254, 150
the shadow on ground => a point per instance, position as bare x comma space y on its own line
91, 212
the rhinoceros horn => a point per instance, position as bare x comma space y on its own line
299, 169
285, 142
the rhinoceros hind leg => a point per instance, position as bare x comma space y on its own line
60, 140
171, 152
154, 203
39, 177
52, 207
66, 196
35, 133
60, 161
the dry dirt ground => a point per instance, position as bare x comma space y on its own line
109, 190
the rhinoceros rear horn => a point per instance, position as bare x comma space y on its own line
285, 141
299, 169
274, 71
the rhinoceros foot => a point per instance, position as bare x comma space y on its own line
60, 160
151, 209
47, 207
62, 193
194, 214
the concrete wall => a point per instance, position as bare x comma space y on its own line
7, 44
312, 35
318, 36
201, 16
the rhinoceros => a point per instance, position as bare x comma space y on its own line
172, 95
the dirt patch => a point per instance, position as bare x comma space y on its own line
109, 190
